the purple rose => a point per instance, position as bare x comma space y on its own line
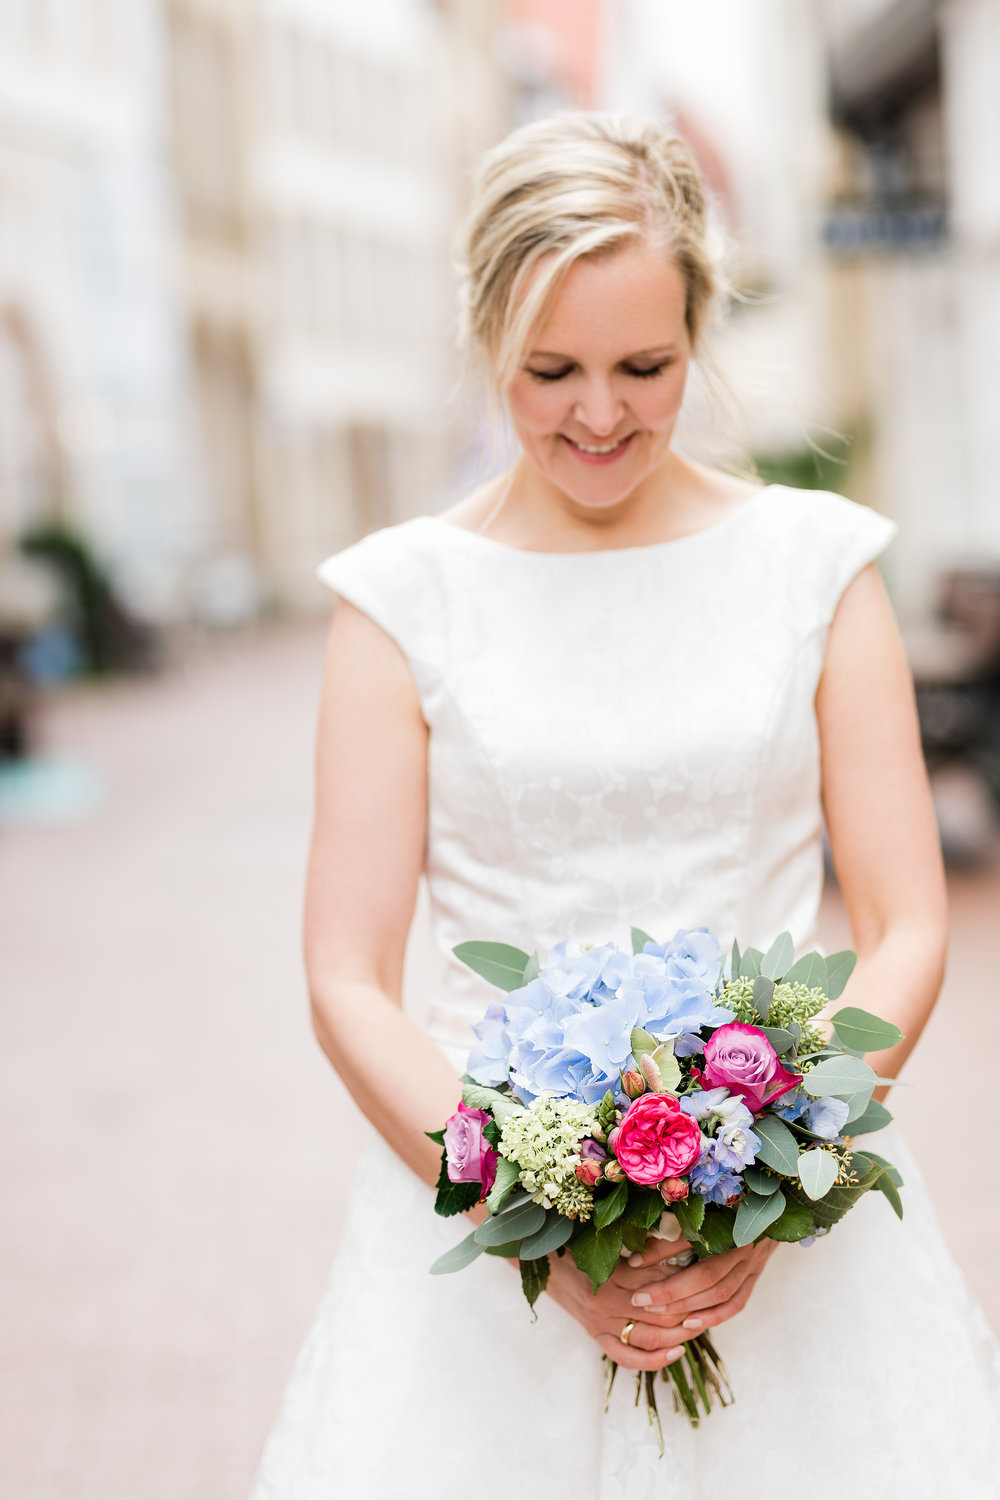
741, 1059
470, 1157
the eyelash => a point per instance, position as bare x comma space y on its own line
546, 375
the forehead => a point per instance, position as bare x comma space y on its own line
631, 299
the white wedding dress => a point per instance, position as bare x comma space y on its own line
616, 737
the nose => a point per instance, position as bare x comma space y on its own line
598, 409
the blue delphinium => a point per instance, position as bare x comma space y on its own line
726, 1117
710, 1177
825, 1117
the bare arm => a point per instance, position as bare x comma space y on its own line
880, 818
364, 867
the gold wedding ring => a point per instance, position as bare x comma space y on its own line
624, 1335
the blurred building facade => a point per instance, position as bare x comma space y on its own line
226, 327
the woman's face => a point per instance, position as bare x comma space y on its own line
597, 397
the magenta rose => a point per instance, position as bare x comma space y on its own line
470, 1157
741, 1059
655, 1140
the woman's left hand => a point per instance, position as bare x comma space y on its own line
707, 1293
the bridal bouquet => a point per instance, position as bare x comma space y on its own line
616, 1095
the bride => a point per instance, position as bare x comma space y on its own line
615, 686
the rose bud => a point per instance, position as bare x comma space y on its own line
673, 1190
590, 1171
613, 1172
599, 1135
651, 1073
632, 1083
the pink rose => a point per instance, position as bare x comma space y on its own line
470, 1157
741, 1059
590, 1171
655, 1140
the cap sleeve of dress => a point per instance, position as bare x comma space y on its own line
832, 539
388, 576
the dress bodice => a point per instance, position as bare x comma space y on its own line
621, 736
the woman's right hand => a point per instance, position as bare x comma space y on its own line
654, 1341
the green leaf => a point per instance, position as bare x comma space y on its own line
778, 957
437, 1136
596, 1251
734, 967
534, 1277
554, 1232
763, 994
716, 1232
501, 1106
809, 970
516, 1200
510, 1251
831, 1208
796, 1223
669, 1067
458, 1257
755, 1214
874, 1118
884, 1184
532, 969
817, 1172
646, 1208
454, 1197
839, 968
498, 1229
642, 1042
895, 1175
612, 1207
633, 1236
779, 1038
640, 939
859, 1028
750, 963
501, 964
690, 1213
839, 1076
858, 1105
778, 1147
760, 1182
507, 1178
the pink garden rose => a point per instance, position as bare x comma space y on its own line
470, 1157
741, 1059
655, 1140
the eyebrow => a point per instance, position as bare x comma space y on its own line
657, 353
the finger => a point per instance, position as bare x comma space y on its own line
650, 1337
624, 1276
715, 1296
637, 1359
657, 1250
692, 1282
723, 1311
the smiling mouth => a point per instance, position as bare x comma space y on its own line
601, 450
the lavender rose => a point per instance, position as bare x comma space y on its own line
741, 1059
470, 1157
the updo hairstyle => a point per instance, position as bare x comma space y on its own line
568, 186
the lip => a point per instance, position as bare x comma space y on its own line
599, 458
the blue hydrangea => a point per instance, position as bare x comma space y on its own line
710, 1177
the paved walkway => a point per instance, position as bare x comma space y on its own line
173, 1147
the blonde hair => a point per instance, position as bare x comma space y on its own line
568, 186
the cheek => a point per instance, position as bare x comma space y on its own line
537, 409
658, 403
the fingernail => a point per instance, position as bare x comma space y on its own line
675, 1353
642, 1299
693, 1323
635, 1260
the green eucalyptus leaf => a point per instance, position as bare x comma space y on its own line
817, 1172
858, 1105
499, 963
517, 1223
780, 1039
507, 1178
884, 1184
734, 967
860, 1029
554, 1232
778, 957
894, 1173
510, 1251
875, 1117
832, 1207
532, 969
500, 1106
809, 970
778, 1146
750, 963
754, 1215
839, 968
763, 1183
612, 1207
640, 939
596, 1251
763, 994
839, 1076
458, 1257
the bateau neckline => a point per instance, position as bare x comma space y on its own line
478, 539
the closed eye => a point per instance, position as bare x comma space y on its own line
644, 374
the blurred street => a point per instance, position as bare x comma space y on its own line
174, 1148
